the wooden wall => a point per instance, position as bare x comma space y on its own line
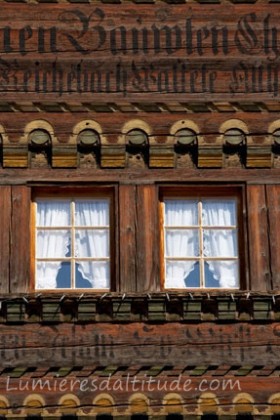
137, 237
159, 51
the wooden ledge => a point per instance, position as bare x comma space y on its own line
141, 308
139, 1
159, 371
139, 107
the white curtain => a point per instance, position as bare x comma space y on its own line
51, 243
221, 242
181, 212
185, 242
89, 243
180, 242
93, 243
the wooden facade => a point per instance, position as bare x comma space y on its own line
139, 350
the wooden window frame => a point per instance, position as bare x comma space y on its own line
217, 191
77, 192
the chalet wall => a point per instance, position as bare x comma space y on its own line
198, 55
137, 236
157, 67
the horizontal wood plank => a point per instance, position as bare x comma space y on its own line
152, 53
54, 177
113, 123
106, 343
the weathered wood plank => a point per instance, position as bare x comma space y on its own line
20, 240
258, 238
5, 221
136, 177
156, 52
174, 344
273, 207
127, 223
147, 238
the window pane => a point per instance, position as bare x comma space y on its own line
53, 274
220, 243
94, 274
53, 213
92, 243
182, 243
53, 243
181, 212
221, 274
181, 274
92, 213
219, 212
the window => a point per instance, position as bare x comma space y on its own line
72, 242
201, 241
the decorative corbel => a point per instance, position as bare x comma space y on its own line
161, 154
210, 151
259, 154
15, 154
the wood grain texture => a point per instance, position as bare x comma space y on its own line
52, 177
20, 240
159, 52
175, 344
147, 241
127, 223
5, 230
259, 253
273, 207
160, 123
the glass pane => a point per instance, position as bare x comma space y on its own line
220, 243
53, 243
221, 274
182, 243
181, 212
52, 275
92, 213
219, 212
182, 274
92, 243
92, 274
53, 213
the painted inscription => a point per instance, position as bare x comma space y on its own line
101, 344
171, 51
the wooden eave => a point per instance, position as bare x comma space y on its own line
210, 151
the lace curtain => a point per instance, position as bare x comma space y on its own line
56, 242
178, 242
93, 243
185, 242
221, 242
